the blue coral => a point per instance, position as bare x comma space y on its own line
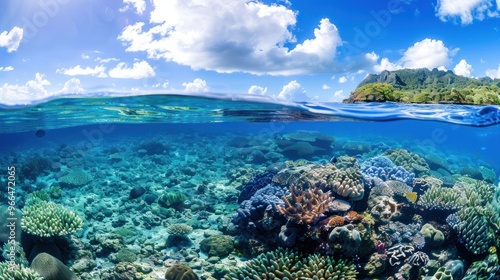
383, 168
252, 211
258, 182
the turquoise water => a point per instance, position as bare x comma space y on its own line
156, 179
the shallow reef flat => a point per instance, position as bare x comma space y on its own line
297, 204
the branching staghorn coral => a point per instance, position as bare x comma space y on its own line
441, 198
305, 206
48, 219
287, 264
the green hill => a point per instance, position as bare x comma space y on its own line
426, 86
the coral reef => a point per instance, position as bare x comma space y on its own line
473, 230
305, 207
179, 229
399, 253
180, 272
75, 178
441, 198
345, 239
384, 208
51, 268
258, 182
433, 236
217, 245
47, 219
286, 264
410, 161
17, 272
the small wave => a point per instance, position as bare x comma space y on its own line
189, 108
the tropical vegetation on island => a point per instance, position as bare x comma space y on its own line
426, 86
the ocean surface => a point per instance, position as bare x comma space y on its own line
231, 188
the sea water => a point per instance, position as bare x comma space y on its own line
162, 180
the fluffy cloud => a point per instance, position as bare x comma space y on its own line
79, 71
257, 90
463, 68
338, 96
24, 94
293, 91
466, 10
196, 34
72, 86
139, 70
6, 68
427, 53
385, 64
325, 87
493, 73
11, 39
197, 85
138, 5
342, 80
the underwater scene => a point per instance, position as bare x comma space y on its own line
184, 187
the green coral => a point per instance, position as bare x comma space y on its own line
319, 267
479, 193
409, 161
288, 264
217, 245
441, 198
17, 272
433, 236
37, 196
75, 178
173, 199
474, 230
442, 274
179, 229
48, 219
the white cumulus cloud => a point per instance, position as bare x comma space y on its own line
73, 85
385, 64
338, 96
138, 5
463, 68
197, 85
11, 39
12, 94
98, 71
342, 79
466, 10
257, 90
6, 68
196, 34
325, 87
138, 70
493, 73
427, 53
293, 91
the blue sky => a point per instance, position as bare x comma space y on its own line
292, 50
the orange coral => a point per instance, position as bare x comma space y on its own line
305, 206
353, 216
335, 221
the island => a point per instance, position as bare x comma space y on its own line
426, 86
